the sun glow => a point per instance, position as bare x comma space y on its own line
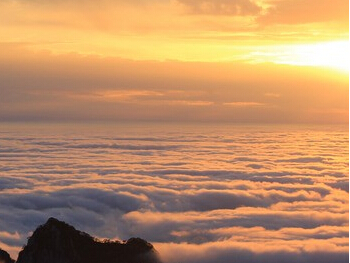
330, 54
327, 54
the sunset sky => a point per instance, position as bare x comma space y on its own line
203, 126
174, 60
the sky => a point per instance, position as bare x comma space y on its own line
238, 61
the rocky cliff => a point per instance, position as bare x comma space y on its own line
5, 257
58, 242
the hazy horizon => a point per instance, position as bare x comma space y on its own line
43, 86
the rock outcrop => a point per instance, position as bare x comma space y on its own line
5, 257
58, 242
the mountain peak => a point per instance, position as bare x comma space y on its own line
58, 242
55, 221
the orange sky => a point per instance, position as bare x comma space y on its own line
181, 60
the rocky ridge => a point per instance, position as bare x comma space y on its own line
58, 242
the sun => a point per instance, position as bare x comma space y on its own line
334, 54
328, 54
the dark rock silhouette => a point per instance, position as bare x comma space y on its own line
58, 242
5, 257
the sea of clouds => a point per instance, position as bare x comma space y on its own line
199, 193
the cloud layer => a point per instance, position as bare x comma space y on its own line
185, 30
219, 193
222, 7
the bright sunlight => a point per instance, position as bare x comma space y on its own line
333, 54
